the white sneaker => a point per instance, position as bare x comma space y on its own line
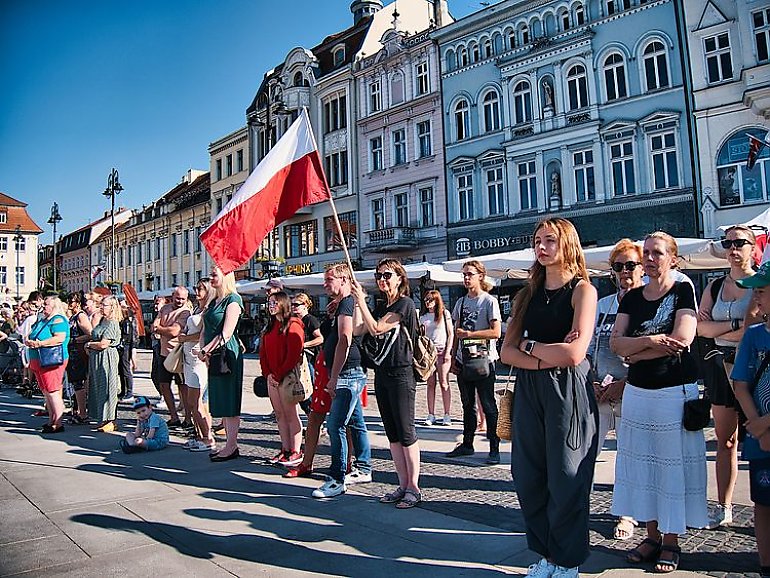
430, 420
562, 572
330, 489
200, 446
189, 444
447, 419
128, 400
356, 476
722, 516
543, 569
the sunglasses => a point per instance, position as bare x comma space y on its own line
297, 304
628, 266
386, 275
737, 243
469, 273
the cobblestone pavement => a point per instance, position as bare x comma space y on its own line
467, 490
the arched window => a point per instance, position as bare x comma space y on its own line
462, 56
497, 43
488, 51
451, 60
339, 56
737, 184
462, 120
579, 15
491, 111
397, 88
655, 66
512, 43
475, 53
524, 33
299, 79
522, 102
615, 77
577, 87
564, 20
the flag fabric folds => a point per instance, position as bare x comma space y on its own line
755, 147
288, 178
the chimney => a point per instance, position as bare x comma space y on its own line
439, 9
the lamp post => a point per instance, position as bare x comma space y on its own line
55, 218
18, 238
113, 188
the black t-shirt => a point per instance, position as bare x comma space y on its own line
655, 318
550, 315
330, 342
394, 348
311, 324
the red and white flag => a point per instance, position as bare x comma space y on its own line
288, 178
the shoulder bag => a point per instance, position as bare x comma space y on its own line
475, 355
297, 385
174, 363
51, 356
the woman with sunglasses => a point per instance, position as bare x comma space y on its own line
609, 371
723, 307
438, 327
393, 325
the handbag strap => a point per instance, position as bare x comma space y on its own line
39, 331
595, 360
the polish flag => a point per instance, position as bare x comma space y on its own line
288, 178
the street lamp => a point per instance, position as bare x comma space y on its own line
113, 188
18, 238
55, 218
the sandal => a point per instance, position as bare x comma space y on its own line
410, 500
636, 556
395, 496
624, 529
663, 566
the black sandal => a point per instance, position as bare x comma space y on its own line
635, 556
665, 566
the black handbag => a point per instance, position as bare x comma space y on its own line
52, 356
219, 361
260, 386
697, 414
475, 356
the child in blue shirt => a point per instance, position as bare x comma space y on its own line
751, 377
151, 431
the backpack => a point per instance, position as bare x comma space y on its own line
424, 353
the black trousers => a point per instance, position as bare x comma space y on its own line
125, 372
486, 390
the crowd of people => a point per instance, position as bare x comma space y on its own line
583, 366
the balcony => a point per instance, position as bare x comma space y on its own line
392, 239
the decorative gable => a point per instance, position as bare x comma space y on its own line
711, 16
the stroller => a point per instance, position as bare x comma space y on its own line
11, 368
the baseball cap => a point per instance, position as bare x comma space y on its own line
140, 401
759, 279
276, 283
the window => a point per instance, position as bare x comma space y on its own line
626, 4
339, 56
239, 160
610, 7
737, 184
655, 66
199, 274
375, 97
585, 186
3, 243
580, 15
20, 276
522, 103
512, 39
301, 239
3, 275
664, 164
337, 168
139, 252
198, 244
375, 153
495, 191
397, 88
186, 241
577, 87
157, 247
565, 21
128, 256
424, 139
426, 206
20, 244
462, 56
491, 112
229, 165
524, 35
335, 113
229, 197
139, 286
622, 164
719, 67
218, 169
527, 185
398, 140
174, 280
487, 50
401, 207
349, 230
475, 53
462, 120
465, 196
3, 217
761, 22
186, 278
378, 214
615, 77
173, 244
423, 81
219, 204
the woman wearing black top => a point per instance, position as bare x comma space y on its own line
394, 327
555, 416
660, 472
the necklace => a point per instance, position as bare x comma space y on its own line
554, 293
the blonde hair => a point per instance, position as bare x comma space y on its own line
625, 246
59, 308
340, 270
305, 299
671, 246
745, 230
479, 266
573, 261
116, 312
228, 284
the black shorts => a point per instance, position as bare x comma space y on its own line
759, 481
395, 391
718, 387
165, 376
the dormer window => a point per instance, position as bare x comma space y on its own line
3, 217
339, 55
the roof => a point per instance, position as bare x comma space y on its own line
108, 231
7, 201
16, 216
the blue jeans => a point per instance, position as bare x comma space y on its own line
346, 411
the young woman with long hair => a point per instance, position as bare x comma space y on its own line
554, 412
438, 327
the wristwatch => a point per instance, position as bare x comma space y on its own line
529, 347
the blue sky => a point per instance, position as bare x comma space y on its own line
143, 86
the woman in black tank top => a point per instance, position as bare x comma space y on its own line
555, 417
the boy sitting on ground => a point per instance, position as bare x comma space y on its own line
151, 431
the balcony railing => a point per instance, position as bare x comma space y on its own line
392, 239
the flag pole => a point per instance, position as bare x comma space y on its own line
333, 206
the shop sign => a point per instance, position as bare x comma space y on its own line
465, 246
298, 268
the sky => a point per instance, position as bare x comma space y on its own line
141, 85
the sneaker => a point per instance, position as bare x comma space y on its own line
301, 471
291, 459
447, 419
129, 400
161, 405
460, 450
494, 457
358, 477
277, 457
543, 569
201, 446
562, 572
330, 489
189, 444
722, 516
430, 420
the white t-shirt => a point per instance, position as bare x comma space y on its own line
437, 331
